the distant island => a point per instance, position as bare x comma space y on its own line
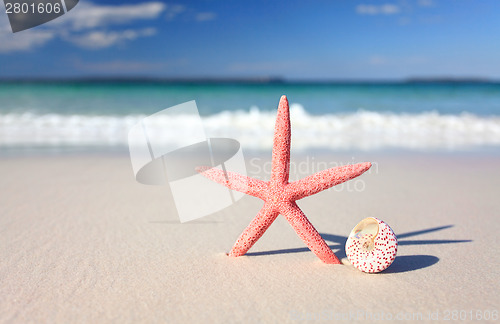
450, 80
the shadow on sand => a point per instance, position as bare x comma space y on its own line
403, 263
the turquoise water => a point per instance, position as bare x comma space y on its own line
145, 98
421, 116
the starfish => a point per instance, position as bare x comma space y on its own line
280, 196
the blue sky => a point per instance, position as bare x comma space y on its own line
299, 40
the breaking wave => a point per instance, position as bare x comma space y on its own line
364, 130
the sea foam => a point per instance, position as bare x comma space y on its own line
364, 130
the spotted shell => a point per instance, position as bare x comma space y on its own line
371, 246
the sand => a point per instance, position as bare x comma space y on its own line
82, 242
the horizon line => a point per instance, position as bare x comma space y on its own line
247, 80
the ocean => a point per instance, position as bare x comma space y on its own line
441, 116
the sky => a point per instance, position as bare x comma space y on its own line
294, 40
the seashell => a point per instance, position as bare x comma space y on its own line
371, 246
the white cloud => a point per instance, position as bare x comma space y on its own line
102, 39
23, 41
94, 26
88, 15
384, 9
28, 40
205, 16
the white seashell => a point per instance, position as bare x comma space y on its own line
371, 246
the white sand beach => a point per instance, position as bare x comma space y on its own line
82, 242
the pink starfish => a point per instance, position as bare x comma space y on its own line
279, 195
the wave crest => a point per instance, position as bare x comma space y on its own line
365, 130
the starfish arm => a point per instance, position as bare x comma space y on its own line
254, 231
325, 179
235, 181
281, 144
308, 233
